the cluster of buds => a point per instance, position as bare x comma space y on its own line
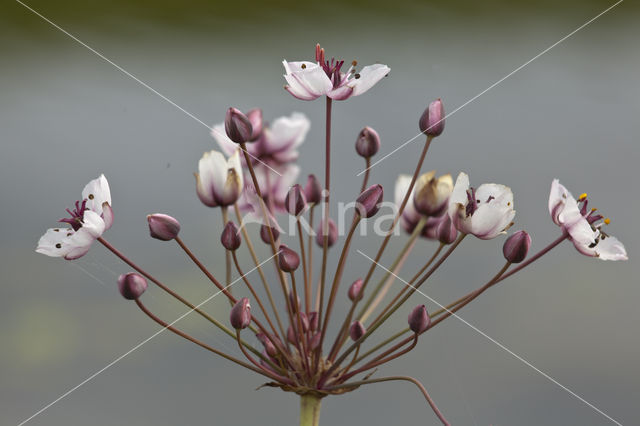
255, 177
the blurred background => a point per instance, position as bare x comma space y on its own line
66, 116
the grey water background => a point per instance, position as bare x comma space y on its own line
66, 116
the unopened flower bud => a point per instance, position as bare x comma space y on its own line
255, 117
355, 291
446, 231
131, 285
516, 247
432, 194
295, 302
240, 316
269, 347
304, 320
295, 202
315, 341
332, 234
291, 336
288, 259
230, 237
163, 227
368, 142
313, 190
265, 236
368, 203
313, 321
419, 319
356, 330
237, 126
432, 120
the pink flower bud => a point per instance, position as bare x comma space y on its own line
304, 320
295, 201
313, 321
237, 126
240, 316
291, 336
269, 347
315, 341
356, 330
131, 285
313, 190
419, 319
230, 237
516, 247
163, 227
432, 120
264, 234
255, 117
368, 203
288, 259
355, 291
332, 234
368, 142
446, 231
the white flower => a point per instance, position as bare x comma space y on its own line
276, 144
583, 226
219, 181
485, 212
88, 221
309, 80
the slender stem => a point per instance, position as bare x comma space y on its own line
337, 277
366, 174
325, 211
310, 410
260, 272
255, 295
398, 215
408, 286
374, 299
384, 357
377, 324
227, 255
307, 285
196, 341
383, 343
392, 378
298, 326
265, 213
266, 372
508, 274
310, 249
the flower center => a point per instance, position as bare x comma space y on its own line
332, 68
77, 215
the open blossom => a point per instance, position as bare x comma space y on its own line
583, 226
88, 220
310, 80
485, 212
219, 181
276, 144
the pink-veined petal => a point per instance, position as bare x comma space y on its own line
368, 77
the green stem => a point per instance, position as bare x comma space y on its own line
310, 410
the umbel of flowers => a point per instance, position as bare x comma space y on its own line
282, 324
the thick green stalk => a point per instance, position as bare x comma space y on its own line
310, 410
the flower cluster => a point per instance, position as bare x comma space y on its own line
255, 178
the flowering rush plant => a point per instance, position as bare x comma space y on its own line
287, 338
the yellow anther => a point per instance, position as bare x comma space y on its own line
583, 196
607, 221
593, 209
